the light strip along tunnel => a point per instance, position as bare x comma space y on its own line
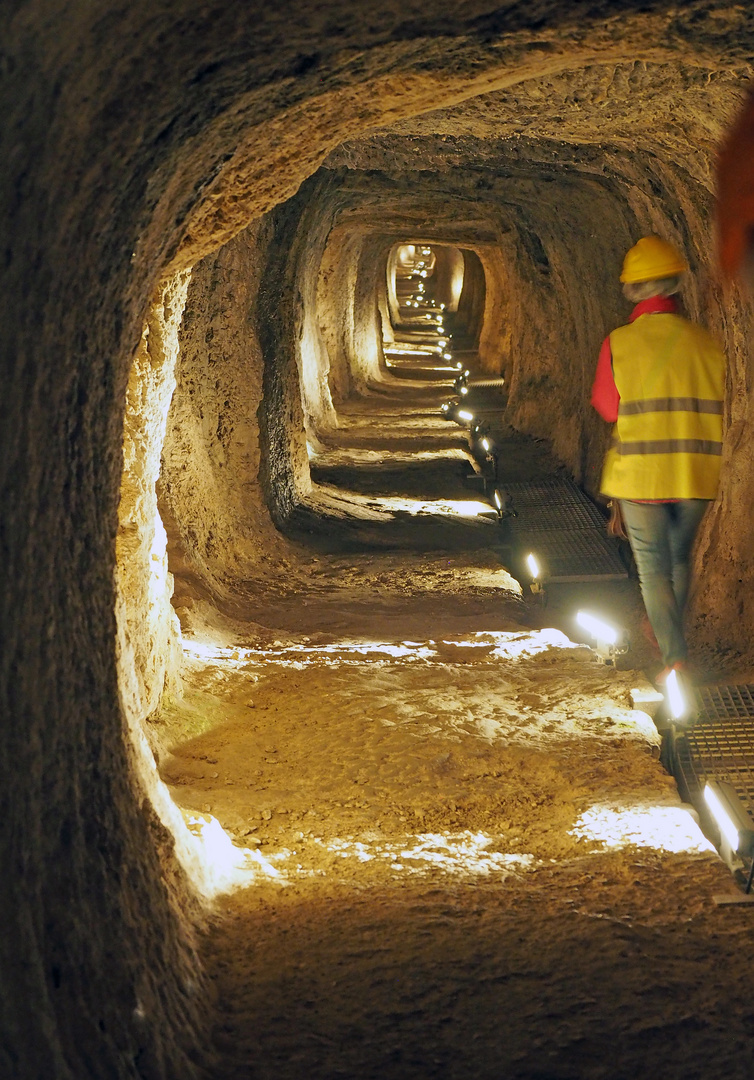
296, 781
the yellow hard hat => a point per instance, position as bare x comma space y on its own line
651, 259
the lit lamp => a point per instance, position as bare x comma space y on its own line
451, 410
732, 819
502, 501
535, 585
609, 642
678, 705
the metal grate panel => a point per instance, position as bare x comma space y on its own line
720, 745
543, 518
557, 521
574, 555
725, 702
555, 492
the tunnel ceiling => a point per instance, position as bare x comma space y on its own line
674, 110
377, 204
662, 79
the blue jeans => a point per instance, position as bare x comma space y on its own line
662, 535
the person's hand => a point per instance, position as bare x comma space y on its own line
615, 524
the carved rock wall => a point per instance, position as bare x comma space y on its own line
148, 622
210, 481
137, 140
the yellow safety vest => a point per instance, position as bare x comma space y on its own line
667, 442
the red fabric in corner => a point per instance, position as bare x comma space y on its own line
605, 396
735, 192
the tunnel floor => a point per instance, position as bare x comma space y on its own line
464, 856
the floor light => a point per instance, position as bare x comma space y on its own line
732, 819
609, 642
678, 706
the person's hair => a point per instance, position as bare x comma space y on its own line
642, 290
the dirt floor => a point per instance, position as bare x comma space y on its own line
461, 856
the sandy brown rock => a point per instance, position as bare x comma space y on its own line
137, 141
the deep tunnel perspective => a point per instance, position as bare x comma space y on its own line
309, 769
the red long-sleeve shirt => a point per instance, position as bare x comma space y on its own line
605, 396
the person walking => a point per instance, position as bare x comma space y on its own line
660, 380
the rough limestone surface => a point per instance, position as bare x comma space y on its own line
145, 586
137, 140
210, 488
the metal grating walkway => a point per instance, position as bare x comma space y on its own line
720, 745
566, 531
576, 555
552, 518
552, 492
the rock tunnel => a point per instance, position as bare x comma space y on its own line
204, 208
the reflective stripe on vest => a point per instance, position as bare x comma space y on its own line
670, 404
668, 438
670, 446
